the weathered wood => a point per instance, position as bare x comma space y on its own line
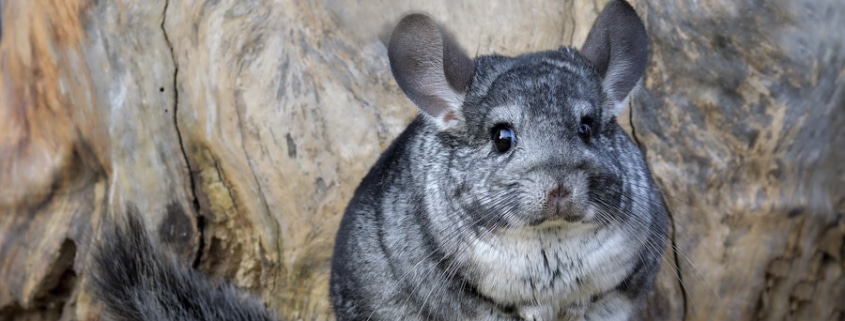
87, 126
743, 119
241, 128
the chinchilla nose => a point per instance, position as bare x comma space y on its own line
558, 202
558, 193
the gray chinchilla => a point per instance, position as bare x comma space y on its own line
515, 195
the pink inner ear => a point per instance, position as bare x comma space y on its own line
430, 68
617, 46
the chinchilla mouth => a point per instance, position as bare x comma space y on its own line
558, 219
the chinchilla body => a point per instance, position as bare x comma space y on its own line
515, 195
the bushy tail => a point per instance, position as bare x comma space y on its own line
137, 280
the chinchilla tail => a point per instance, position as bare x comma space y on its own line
137, 280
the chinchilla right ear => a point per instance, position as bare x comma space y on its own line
617, 45
431, 68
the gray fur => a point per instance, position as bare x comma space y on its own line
430, 67
444, 227
138, 280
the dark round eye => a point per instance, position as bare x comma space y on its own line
586, 128
503, 137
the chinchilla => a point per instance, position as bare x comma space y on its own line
514, 195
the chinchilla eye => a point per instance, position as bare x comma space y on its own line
503, 137
585, 130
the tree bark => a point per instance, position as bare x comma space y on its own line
241, 128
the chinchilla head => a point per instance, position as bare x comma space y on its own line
519, 141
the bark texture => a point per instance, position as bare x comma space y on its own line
240, 128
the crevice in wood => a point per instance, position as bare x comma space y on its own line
54, 292
191, 178
201, 231
673, 242
631, 122
15, 312
672, 239
57, 286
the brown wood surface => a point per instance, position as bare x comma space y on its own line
240, 129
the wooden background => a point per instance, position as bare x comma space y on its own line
241, 127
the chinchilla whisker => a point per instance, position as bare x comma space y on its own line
645, 186
635, 199
448, 238
633, 223
637, 224
444, 273
666, 262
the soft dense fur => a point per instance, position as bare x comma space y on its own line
446, 227
137, 280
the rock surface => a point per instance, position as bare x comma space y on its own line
241, 127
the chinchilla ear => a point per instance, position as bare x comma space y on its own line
430, 67
617, 45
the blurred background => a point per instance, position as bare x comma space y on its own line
240, 129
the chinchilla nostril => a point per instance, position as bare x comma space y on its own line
559, 192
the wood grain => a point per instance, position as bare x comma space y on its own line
85, 130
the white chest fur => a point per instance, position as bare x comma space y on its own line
547, 269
